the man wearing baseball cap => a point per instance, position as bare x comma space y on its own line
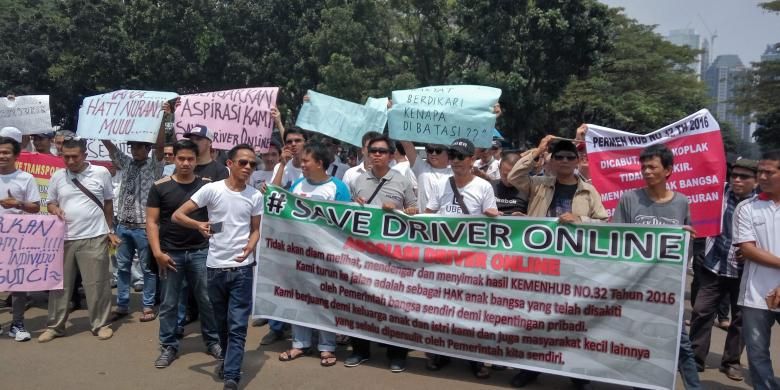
206, 166
42, 142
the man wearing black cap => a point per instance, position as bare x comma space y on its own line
140, 173
42, 142
207, 167
462, 194
719, 276
564, 195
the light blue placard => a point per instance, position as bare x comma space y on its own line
341, 119
124, 115
442, 114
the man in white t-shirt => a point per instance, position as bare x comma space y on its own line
756, 231
486, 165
355, 172
18, 194
233, 229
82, 196
288, 169
403, 165
462, 194
430, 171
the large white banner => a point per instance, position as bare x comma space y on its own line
29, 114
600, 301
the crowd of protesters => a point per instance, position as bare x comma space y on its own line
153, 208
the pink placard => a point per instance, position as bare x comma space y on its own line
31, 251
699, 165
236, 116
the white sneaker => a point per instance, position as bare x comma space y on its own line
19, 333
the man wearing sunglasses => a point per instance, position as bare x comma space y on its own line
462, 194
234, 210
364, 166
288, 169
390, 189
140, 173
430, 171
564, 195
719, 276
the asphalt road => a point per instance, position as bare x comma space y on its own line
81, 361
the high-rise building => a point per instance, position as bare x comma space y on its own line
687, 37
722, 78
772, 53
705, 57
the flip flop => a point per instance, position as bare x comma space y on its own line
288, 356
148, 315
325, 359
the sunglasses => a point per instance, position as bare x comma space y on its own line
434, 150
378, 151
455, 155
243, 163
561, 157
168, 154
742, 176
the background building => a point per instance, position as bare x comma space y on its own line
721, 78
688, 37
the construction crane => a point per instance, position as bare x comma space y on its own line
713, 35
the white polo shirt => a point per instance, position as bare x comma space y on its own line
758, 220
83, 217
352, 174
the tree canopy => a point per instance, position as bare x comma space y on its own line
558, 62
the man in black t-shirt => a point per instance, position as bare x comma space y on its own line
206, 166
180, 253
509, 200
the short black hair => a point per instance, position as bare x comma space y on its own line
320, 153
186, 145
369, 136
80, 143
510, 158
233, 151
296, 130
385, 139
275, 144
14, 145
773, 155
169, 144
399, 146
660, 151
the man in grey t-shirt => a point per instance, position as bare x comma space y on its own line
657, 205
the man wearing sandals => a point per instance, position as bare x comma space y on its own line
390, 189
461, 194
140, 173
81, 195
234, 210
316, 184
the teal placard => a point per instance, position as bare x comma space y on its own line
343, 120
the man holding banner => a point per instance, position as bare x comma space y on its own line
657, 205
390, 189
140, 173
18, 194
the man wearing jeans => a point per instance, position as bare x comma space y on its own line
180, 253
756, 232
234, 210
139, 173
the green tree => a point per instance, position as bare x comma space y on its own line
639, 86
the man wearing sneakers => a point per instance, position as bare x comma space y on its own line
18, 194
234, 210
82, 196
180, 253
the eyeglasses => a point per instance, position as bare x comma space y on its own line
434, 150
561, 157
742, 176
455, 155
243, 163
378, 151
293, 141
